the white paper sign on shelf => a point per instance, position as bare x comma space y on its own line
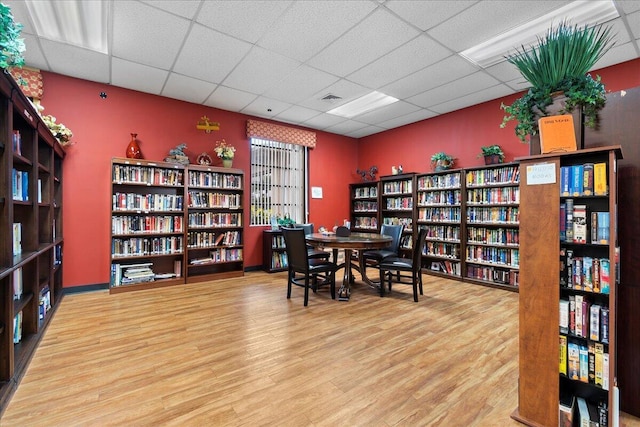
541, 173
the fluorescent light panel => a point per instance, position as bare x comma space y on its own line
364, 104
76, 22
579, 13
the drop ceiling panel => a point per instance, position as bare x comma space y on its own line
616, 55
209, 55
409, 118
345, 89
472, 99
297, 114
308, 26
346, 127
66, 57
33, 55
260, 107
230, 99
247, 20
366, 131
140, 34
427, 14
387, 112
634, 23
187, 88
469, 84
406, 59
126, 74
301, 84
323, 121
186, 9
377, 35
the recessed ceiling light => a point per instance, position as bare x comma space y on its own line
366, 103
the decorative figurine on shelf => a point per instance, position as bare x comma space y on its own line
204, 159
133, 149
176, 155
399, 169
369, 175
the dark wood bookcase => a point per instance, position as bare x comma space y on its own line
365, 206
31, 203
214, 223
491, 228
439, 198
544, 283
274, 256
397, 205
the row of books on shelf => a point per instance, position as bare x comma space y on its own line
204, 239
57, 255
439, 214
16, 142
44, 303
394, 220
279, 260
445, 266
578, 225
397, 187
399, 203
443, 232
365, 192
449, 180
493, 236
578, 411
214, 219
135, 174
214, 180
219, 255
581, 318
20, 185
147, 224
584, 273
495, 195
17, 327
492, 274
365, 222
440, 249
206, 199
496, 214
589, 179
448, 197
140, 246
585, 363
500, 175
131, 274
17, 238
365, 206
147, 202
489, 254
277, 242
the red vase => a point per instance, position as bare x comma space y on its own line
133, 149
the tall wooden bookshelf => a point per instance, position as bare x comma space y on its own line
31, 239
214, 224
547, 277
439, 210
147, 224
365, 206
397, 202
492, 232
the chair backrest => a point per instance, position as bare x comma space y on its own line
308, 228
296, 248
418, 248
343, 231
395, 232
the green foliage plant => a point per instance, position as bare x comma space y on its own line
11, 45
492, 150
559, 64
442, 160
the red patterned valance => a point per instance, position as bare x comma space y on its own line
257, 129
32, 80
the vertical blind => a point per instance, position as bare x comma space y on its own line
277, 181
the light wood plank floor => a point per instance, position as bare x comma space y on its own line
237, 353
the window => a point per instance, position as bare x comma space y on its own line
278, 181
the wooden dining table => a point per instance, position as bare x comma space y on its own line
354, 241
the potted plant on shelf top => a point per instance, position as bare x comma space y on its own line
441, 161
559, 64
492, 154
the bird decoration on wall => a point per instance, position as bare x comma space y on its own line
206, 125
368, 175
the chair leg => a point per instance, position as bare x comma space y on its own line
381, 283
420, 283
415, 290
306, 290
289, 285
332, 284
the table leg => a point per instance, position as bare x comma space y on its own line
363, 272
345, 290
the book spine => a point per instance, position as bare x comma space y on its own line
600, 179
587, 184
563, 355
578, 180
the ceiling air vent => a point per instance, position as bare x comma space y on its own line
330, 98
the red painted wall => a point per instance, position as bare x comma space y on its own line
102, 126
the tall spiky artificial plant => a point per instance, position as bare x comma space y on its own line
11, 45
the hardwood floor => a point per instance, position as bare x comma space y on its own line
236, 352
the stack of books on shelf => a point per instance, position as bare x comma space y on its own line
131, 274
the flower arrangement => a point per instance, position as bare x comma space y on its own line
224, 150
62, 133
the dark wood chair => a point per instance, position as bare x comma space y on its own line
313, 252
406, 271
306, 272
373, 257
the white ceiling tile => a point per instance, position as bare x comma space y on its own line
315, 24
629, 6
469, 84
445, 71
377, 35
33, 55
64, 59
125, 74
140, 34
618, 54
519, 84
247, 20
342, 88
407, 59
472, 99
634, 23
427, 14
346, 126
260, 70
365, 131
265, 107
504, 71
230, 99
297, 114
185, 9
187, 88
323, 121
387, 112
301, 84
208, 55
409, 118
